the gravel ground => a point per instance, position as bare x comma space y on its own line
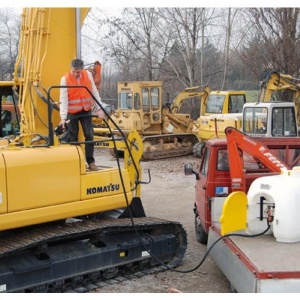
170, 196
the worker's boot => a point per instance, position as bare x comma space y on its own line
93, 167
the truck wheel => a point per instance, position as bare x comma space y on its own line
198, 149
201, 235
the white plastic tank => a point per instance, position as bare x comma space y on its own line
283, 192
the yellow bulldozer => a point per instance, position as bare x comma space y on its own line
165, 132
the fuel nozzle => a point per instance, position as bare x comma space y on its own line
270, 213
59, 130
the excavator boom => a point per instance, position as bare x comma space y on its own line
276, 86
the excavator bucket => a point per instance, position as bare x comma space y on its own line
234, 212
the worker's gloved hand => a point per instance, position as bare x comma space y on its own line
62, 123
100, 113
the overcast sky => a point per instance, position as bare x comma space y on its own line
144, 3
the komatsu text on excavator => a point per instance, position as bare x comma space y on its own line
62, 227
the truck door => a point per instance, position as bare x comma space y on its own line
214, 181
202, 204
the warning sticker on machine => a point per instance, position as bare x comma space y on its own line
2, 287
145, 253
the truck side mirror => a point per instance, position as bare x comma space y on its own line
188, 170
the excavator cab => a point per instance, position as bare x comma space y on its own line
139, 106
9, 109
223, 109
224, 102
270, 119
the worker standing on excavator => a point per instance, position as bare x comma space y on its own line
77, 105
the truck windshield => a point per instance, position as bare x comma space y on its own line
215, 104
223, 163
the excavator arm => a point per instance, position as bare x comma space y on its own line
188, 93
275, 81
281, 87
238, 142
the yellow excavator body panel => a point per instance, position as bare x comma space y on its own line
214, 126
53, 184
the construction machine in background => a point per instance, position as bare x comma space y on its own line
96, 69
276, 114
155, 124
246, 210
276, 86
63, 227
9, 109
222, 109
270, 119
190, 100
165, 131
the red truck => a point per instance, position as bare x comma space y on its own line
230, 166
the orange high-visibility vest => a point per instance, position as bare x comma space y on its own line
79, 98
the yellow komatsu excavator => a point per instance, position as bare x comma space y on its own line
165, 131
63, 227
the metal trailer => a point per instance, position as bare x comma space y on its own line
254, 265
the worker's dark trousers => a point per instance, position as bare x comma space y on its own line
85, 119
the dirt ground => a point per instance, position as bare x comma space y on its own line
170, 196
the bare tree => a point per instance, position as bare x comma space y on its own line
187, 26
194, 46
235, 30
91, 35
227, 47
9, 38
134, 32
277, 33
